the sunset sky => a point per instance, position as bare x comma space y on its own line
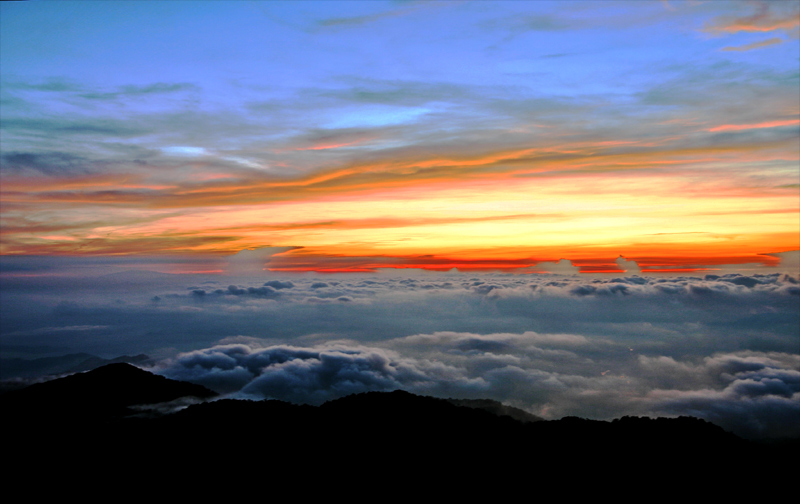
575, 208
364, 135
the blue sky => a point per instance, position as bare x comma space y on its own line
368, 63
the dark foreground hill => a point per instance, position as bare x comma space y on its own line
87, 428
100, 394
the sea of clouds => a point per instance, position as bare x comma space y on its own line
725, 348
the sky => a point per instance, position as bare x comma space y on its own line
363, 135
576, 207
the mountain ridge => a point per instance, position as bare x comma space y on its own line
369, 436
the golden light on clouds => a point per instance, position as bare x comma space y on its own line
467, 165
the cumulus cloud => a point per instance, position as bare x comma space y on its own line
754, 394
251, 262
751, 393
790, 260
278, 284
562, 267
299, 374
628, 266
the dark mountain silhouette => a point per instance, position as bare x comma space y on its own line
99, 394
50, 366
85, 424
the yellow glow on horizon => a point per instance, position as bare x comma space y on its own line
579, 200
534, 213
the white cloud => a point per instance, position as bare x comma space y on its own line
751, 393
184, 150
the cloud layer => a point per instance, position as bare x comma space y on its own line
723, 347
754, 394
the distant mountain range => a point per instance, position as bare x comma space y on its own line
98, 419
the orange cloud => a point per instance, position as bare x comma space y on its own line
100, 181
754, 45
765, 19
261, 188
164, 244
383, 223
686, 256
767, 124
506, 209
338, 264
